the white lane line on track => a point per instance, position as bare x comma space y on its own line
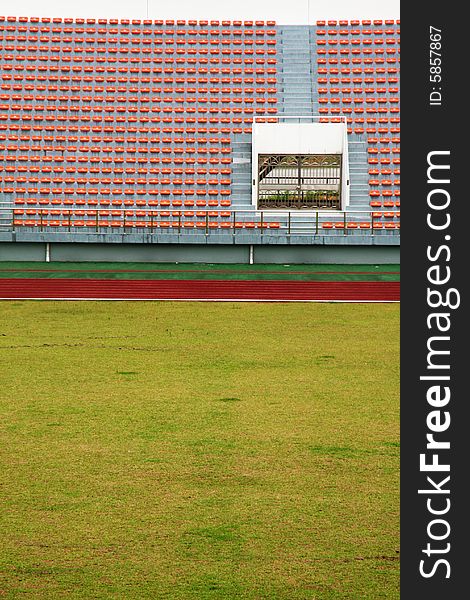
196, 300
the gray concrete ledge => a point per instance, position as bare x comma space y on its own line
381, 238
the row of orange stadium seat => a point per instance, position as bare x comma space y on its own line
112, 88
357, 61
117, 191
23, 175
189, 165
72, 158
113, 45
190, 60
160, 30
60, 134
371, 109
109, 160
186, 47
90, 92
126, 33
22, 123
118, 105
176, 181
13, 185
358, 54
329, 91
117, 181
360, 225
117, 160
78, 83
190, 159
142, 110
142, 116
61, 172
386, 203
138, 74
356, 80
354, 90
368, 89
358, 57
386, 215
356, 22
361, 120
361, 130
102, 95
383, 150
360, 100
148, 224
146, 37
239, 57
353, 32
376, 171
117, 202
39, 126
146, 56
112, 75
125, 213
357, 110
165, 149
384, 193
177, 160
112, 95
50, 137
200, 125
383, 140
387, 182
103, 146
135, 108
106, 44
356, 70
126, 124
372, 160
169, 22
362, 42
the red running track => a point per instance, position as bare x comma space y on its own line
171, 289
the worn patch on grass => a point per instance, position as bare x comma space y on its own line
229, 399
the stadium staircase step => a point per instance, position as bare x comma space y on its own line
295, 75
358, 176
241, 172
6, 214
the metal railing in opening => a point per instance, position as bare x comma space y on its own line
234, 222
302, 182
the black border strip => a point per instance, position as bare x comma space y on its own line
425, 129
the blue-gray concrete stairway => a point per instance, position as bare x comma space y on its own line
358, 175
295, 75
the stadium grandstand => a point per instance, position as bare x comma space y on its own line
199, 140
239, 162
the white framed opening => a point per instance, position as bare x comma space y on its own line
300, 163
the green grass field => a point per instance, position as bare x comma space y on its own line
109, 270
199, 451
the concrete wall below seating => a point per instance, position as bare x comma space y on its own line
193, 253
327, 254
24, 251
